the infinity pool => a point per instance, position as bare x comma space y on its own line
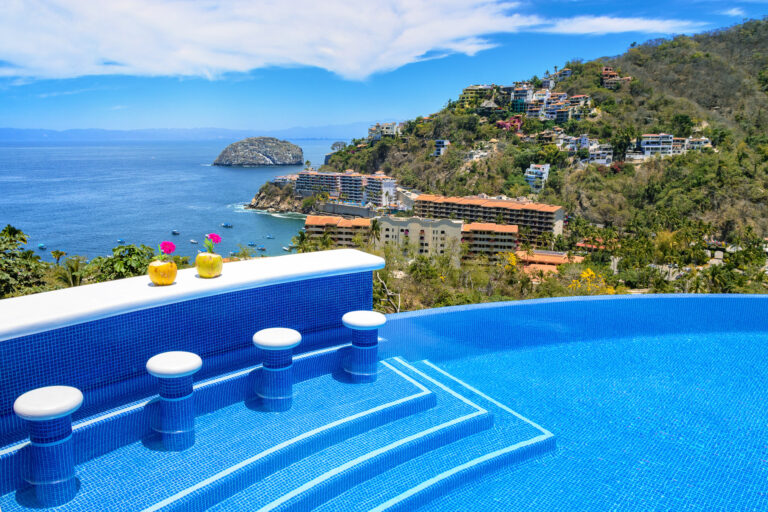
632, 403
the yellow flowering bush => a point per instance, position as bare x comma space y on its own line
590, 283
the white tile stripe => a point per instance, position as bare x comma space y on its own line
442, 476
354, 462
199, 385
367, 456
305, 435
439, 384
474, 462
495, 402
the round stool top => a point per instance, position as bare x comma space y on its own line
276, 338
173, 365
363, 320
48, 403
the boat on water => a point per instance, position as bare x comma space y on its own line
261, 248
251, 244
120, 241
226, 225
193, 241
286, 249
269, 237
42, 247
175, 232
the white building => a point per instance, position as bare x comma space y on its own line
656, 144
441, 146
536, 175
379, 130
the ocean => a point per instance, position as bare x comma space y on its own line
82, 197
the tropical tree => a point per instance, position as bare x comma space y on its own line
57, 255
338, 145
126, 261
20, 269
72, 273
375, 233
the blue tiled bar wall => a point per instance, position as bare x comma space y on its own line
106, 358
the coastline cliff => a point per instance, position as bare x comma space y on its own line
273, 198
260, 151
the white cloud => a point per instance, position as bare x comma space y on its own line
615, 25
736, 11
69, 38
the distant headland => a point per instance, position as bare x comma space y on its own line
258, 151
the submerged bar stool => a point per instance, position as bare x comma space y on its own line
362, 362
51, 464
276, 386
176, 422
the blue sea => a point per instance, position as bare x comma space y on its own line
82, 197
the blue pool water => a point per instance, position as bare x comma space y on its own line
633, 403
82, 197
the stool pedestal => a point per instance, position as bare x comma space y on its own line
51, 463
175, 423
275, 388
363, 361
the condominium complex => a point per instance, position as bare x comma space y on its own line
488, 238
535, 217
430, 235
378, 189
341, 231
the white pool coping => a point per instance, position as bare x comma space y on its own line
30, 314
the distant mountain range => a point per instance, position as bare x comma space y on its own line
343, 132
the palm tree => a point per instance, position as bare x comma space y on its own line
375, 233
326, 242
57, 255
72, 273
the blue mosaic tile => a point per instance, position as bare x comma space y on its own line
106, 358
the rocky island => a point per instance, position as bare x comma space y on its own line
258, 151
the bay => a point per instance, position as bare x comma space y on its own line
81, 197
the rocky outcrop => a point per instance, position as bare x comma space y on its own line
258, 151
272, 198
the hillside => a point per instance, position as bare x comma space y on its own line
712, 85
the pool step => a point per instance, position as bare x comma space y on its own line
236, 445
511, 440
314, 480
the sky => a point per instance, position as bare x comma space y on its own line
277, 64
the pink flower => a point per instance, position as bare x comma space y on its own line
167, 247
213, 237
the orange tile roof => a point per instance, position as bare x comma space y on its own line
354, 223
489, 226
547, 259
535, 267
489, 203
321, 220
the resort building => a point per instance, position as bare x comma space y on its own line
488, 238
340, 230
380, 190
536, 175
350, 186
430, 235
536, 218
312, 182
